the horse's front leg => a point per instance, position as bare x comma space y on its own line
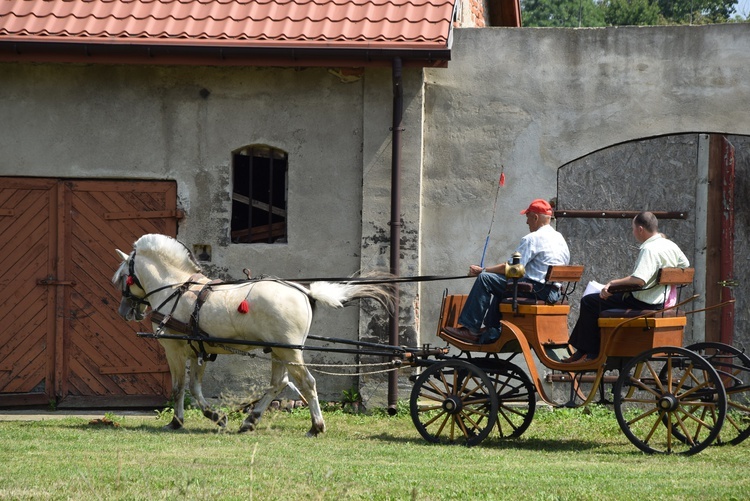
177, 362
196, 390
279, 381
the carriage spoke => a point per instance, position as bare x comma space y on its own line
638, 384
503, 413
738, 406
642, 416
657, 422
438, 416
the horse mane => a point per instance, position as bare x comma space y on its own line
167, 249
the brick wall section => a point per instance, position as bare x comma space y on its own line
477, 13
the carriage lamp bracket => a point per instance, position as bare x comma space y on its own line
729, 283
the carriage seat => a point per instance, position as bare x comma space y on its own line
666, 277
629, 313
565, 275
521, 287
527, 301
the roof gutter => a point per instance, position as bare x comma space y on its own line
96, 52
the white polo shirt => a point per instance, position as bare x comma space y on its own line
656, 252
541, 249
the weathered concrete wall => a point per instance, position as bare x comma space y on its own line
533, 100
153, 123
657, 174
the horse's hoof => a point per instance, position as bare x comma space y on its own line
217, 417
250, 423
246, 427
175, 424
315, 431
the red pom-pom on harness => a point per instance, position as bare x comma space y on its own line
130, 280
243, 307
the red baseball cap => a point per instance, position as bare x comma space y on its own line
539, 206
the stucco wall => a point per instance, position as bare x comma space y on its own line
528, 100
533, 100
155, 123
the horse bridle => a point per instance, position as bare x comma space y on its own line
135, 301
132, 279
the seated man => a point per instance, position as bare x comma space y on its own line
655, 252
541, 248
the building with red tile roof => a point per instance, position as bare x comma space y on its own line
228, 32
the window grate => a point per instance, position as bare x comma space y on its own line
259, 195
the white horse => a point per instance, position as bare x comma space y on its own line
266, 310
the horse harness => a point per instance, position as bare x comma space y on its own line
193, 324
192, 327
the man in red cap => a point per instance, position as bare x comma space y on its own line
541, 248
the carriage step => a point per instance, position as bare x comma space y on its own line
555, 346
583, 378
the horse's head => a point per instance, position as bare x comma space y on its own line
133, 304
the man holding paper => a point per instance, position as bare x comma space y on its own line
655, 252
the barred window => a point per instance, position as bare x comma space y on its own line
259, 195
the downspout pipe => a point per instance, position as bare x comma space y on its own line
396, 129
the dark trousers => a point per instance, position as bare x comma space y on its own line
482, 304
586, 335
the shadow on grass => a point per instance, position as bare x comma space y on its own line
531, 444
155, 429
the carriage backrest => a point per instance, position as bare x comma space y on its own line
675, 276
566, 275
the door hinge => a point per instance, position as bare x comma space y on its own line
52, 281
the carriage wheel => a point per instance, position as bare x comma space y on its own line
516, 396
666, 390
733, 367
453, 402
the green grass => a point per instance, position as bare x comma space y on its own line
565, 454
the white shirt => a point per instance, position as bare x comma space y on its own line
655, 253
541, 249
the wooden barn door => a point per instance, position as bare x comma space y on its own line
66, 344
27, 310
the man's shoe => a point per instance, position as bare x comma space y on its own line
463, 334
575, 357
490, 335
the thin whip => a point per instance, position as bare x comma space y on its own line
500, 183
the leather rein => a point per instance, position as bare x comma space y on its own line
192, 327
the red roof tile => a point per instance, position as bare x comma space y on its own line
415, 25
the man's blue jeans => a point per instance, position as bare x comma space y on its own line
483, 303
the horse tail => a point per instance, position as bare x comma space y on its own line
338, 294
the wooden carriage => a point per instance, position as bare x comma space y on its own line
666, 398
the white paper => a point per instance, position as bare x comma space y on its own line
593, 288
